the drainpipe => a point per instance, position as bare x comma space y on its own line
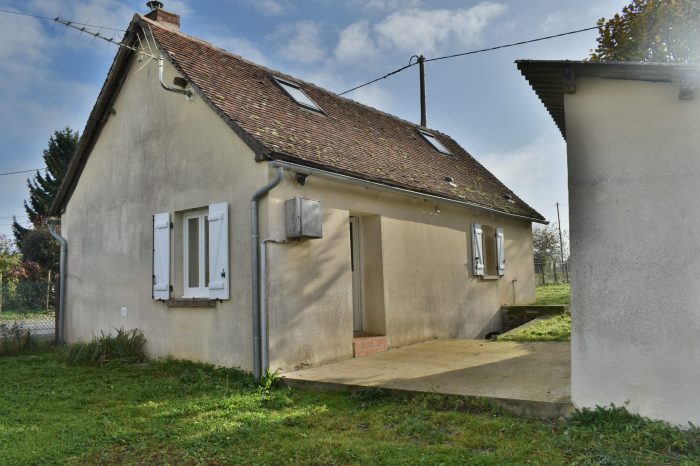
62, 286
255, 275
265, 334
188, 93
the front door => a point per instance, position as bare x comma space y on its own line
356, 264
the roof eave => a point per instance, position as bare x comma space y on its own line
549, 78
295, 164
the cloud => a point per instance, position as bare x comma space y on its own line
423, 31
269, 7
301, 41
355, 44
416, 31
384, 6
535, 171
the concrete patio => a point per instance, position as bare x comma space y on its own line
529, 379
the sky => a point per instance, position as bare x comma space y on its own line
51, 75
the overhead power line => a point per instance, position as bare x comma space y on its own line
472, 52
23, 171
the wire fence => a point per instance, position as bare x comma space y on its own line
29, 306
550, 272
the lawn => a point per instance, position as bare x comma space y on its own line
167, 412
553, 328
553, 294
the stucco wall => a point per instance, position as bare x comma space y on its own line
634, 166
429, 290
158, 153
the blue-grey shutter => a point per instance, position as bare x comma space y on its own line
161, 256
501, 251
219, 274
477, 250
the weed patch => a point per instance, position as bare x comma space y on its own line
16, 339
127, 347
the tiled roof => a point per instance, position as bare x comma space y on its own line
347, 138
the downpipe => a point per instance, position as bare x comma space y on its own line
62, 284
255, 272
188, 92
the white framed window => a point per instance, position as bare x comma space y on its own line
488, 251
195, 256
295, 92
205, 253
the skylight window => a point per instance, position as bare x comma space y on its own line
299, 96
434, 142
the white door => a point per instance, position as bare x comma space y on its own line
356, 264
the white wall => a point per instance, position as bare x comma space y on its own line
428, 289
634, 189
158, 153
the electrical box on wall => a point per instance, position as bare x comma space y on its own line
304, 218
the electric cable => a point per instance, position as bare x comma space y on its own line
23, 171
472, 52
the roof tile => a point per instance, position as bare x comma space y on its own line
348, 137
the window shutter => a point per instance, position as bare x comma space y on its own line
477, 250
161, 256
501, 251
218, 251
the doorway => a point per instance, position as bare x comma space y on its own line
356, 266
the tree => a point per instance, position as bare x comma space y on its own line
38, 246
43, 188
9, 257
651, 31
545, 242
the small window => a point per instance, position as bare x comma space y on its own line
434, 142
488, 251
295, 92
195, 255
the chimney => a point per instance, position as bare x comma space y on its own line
165, 18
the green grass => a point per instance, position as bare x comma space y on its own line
168, 412
12, 315
554, 328
553, 294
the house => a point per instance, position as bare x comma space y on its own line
243, 217
634, 163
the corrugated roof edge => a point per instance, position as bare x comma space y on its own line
546, 77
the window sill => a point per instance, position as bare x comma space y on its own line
490, 277
191, 302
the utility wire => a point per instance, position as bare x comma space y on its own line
47, 18
23, 171
513, 44
472, 52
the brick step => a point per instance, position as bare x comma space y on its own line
368, 344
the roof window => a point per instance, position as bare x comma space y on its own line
434, 142
295, 92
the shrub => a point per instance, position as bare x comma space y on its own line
15, 339
127, 347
